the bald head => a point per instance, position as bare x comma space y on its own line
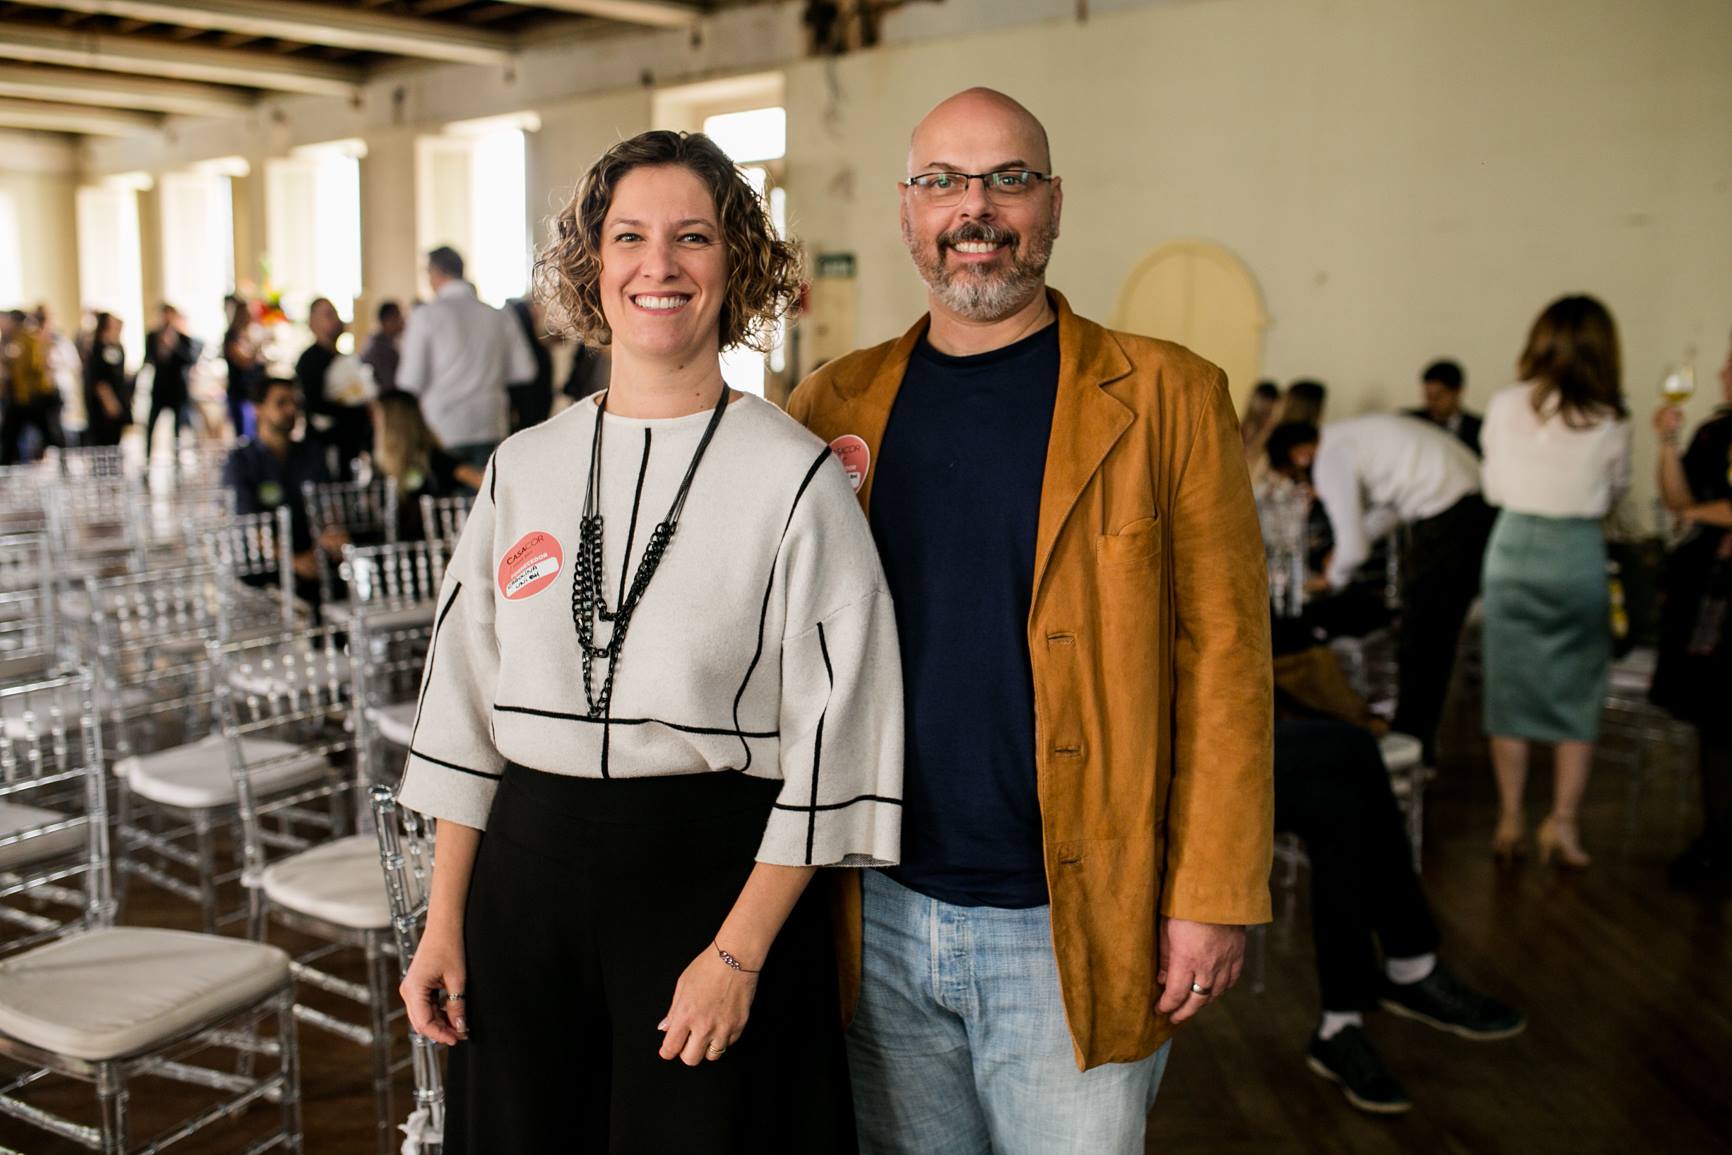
978, 122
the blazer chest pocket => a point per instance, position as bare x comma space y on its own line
1137, 545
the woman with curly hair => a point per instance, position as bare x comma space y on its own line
635, 783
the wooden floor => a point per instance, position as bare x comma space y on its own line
1628, 987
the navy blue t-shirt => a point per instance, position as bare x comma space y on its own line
955, 509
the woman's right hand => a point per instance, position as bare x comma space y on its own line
437, 973
1668, 420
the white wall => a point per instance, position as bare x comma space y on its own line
1406, 178
37, 181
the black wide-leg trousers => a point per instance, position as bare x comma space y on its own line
1440, 577
588, 900
1332, 790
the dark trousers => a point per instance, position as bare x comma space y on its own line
43, 416
589, 899
1332, 790
1439, 580
1716, 769
179, 406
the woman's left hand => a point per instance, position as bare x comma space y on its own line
711, 1003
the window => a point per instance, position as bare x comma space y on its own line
198, 248
11, 254
313, 227
474, 197
108, 257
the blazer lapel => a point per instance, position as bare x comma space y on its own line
866, 410
1086, 423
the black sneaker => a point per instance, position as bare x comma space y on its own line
1349, 1060
1443, 1001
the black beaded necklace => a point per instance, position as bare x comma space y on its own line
588, 598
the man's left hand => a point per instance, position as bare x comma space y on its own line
1199, 953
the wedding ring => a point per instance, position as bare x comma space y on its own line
1199, 989
718, 1052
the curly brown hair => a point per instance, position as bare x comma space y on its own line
763, 269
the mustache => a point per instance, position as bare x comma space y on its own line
979, 232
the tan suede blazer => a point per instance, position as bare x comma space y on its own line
1149, 638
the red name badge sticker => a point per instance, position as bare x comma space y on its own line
855, 457
530, 566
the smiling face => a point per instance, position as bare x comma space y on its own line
663, 265
985, 256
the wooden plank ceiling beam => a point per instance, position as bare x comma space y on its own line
357, 30
114, 90
142, 57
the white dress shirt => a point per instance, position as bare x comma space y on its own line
458, 353
1376, 471
1540, 464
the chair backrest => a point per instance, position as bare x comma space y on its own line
393, 577
283, 701
29, 610
253, 553
54, 853
96, 519
366, 511
387, 667
406, 841
442, 518
86, 461
150, 611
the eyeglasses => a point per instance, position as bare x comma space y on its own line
948, 188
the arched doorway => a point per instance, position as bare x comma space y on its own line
1200, 295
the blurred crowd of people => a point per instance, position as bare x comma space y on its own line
478, 373
1422, 513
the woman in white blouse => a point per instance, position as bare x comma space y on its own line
1557, 458
663, 688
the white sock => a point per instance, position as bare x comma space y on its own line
1334, 1022
1406, 971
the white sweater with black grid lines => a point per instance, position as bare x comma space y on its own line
764, 645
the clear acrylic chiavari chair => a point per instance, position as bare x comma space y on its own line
83, 999
365, 512
442, 518
406, 841
174, 793
29, 610
394, 585
388, 661
253, 554
333, 891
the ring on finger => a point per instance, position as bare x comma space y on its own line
448, 997
1200, 989
714, 1051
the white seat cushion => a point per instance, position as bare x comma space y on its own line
275, 675
197, 776
1401, 752
108, 993
395, 723
15, 816
340, 881
380, 617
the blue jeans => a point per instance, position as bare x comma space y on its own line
960, 1046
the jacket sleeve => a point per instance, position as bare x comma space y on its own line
454, 767
1221, 801
841, 675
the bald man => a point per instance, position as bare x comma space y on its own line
1067, 526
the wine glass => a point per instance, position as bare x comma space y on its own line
1679, 384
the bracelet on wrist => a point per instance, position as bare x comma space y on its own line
731, 960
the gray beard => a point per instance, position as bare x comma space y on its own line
990, 297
